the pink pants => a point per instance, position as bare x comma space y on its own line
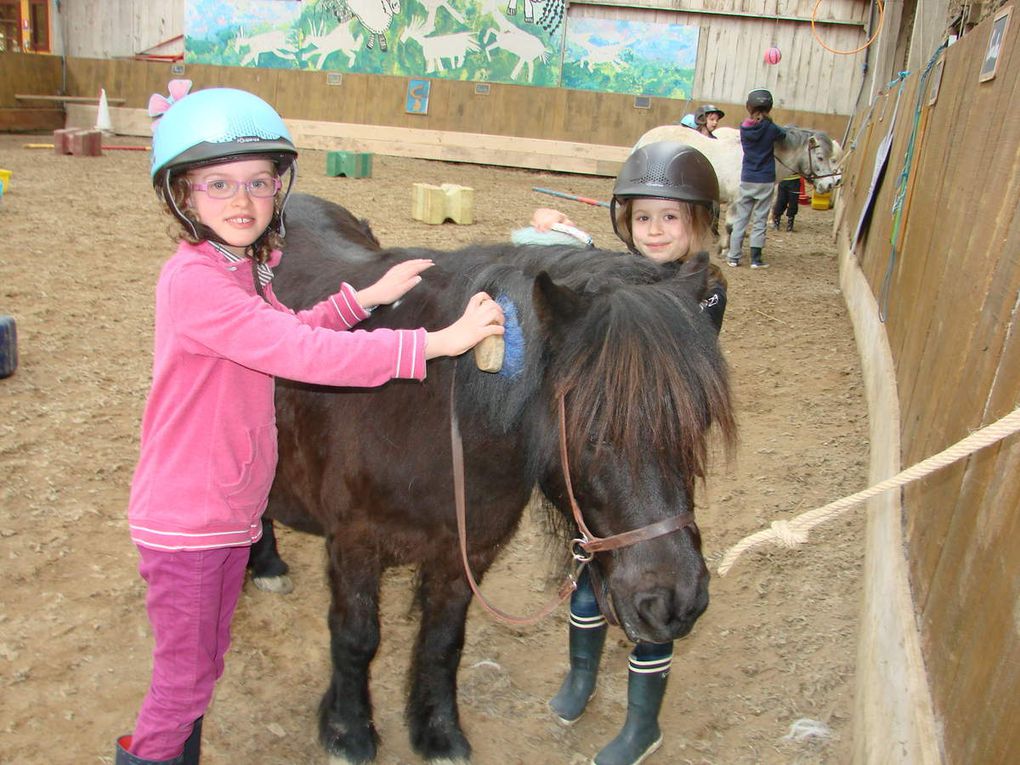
190, 601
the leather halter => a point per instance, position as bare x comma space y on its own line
583, 548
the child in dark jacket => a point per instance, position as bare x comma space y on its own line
787, 200
758, 135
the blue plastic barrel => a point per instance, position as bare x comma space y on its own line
8, 346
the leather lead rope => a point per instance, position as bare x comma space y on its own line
457, 448
589, 542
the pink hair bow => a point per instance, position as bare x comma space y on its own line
159, 104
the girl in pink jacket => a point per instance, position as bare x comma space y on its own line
208, 442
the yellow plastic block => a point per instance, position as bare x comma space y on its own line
438, 204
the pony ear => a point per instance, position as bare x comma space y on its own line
556, 305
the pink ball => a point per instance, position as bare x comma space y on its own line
773, 55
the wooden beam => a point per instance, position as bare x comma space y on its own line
66, 99
713, 12
417, 143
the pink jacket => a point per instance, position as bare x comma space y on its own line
208, 442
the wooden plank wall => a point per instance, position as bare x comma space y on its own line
734, 35
29, 73
112, 28
953, 314
509, 110
733, 39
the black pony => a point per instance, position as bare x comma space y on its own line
620, 341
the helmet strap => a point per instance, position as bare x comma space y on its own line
177, 211
612, 217
282, 228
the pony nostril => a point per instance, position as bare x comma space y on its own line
654, 608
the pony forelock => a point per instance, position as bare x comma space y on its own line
646, 378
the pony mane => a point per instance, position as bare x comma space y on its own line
798, 136
645, 376
509, 272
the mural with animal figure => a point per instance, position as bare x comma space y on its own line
811, 153
527, 42
611, 387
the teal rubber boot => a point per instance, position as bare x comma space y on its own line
641, 735
579, 685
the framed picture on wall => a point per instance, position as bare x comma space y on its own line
1000, 25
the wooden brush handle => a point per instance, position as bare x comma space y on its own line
489, 353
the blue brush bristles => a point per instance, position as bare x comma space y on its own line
513, 339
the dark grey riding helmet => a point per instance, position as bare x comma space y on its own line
759, 100
665, 170
701, 115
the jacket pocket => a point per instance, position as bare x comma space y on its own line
247, 494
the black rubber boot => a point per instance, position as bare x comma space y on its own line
756, 261
641, 734
579, 684
193, 746
775, 223
190, 756
789, 224
124, 757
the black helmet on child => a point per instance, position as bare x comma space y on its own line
666, 170
701, 115
759, 100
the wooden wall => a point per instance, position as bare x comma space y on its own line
116, 28
29, 73
735, 34
951, 296
508, 110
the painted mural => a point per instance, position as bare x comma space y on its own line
630, 57
522, 42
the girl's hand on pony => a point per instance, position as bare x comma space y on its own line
481, 318
544, 218
394, 284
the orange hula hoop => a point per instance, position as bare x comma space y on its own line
881, 20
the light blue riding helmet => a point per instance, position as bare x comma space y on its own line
219, 125
216, 125
688, 120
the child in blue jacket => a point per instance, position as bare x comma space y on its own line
758, 135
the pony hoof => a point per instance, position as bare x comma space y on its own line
278, 584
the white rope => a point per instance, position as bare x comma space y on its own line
794, 532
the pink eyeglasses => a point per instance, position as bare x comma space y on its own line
260, 188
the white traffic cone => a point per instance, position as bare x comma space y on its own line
103, 114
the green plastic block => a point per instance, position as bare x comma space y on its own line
353, 164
